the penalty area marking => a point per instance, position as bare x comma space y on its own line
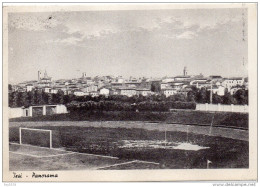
71, 152
130, 162
36, 156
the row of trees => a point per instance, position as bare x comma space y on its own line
38, 97
125, 106
203, 96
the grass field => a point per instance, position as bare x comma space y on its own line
147, 144
224, 119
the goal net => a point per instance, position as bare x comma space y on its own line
37, 137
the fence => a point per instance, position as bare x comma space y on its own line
222, 108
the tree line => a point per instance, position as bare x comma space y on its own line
39, 97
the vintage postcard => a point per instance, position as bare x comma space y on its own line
130, 92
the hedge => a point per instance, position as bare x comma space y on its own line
125, 106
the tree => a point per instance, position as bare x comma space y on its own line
10, 88
60, 96
202, 95
241, 96
23, 99
155, 87
217, 99
14, 99
38, 97
31, 98
191, 96
228, 99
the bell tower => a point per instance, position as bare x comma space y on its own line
185, 71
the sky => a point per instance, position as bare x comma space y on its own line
140, 43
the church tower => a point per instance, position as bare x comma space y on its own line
185, 71
39, 75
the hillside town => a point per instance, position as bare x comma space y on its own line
111, 85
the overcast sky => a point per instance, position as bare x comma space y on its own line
152, 43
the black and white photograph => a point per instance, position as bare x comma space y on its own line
137, 88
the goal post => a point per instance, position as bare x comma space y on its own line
37, 137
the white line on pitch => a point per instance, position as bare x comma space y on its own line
148, 162
35, 156
94, 155
89, 154
117, 164
58, 155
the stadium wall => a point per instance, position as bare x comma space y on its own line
222, 108
29, 112
15, 112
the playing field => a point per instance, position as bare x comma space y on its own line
110, 145
26, 157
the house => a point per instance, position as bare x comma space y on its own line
78, 93
143, 91
168, 79
169, 91
114, 92
215, 78
176, 84
132, 84
29, 87
185, 90
127, 91
219, 90
92, 88
182, 78
232, 82
54, 90
47, 89
120, 79
104, 91
200, 85
164, 85
199, 80
116, 85
94, 94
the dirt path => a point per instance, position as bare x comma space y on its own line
214, 131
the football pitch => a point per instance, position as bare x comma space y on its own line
108, 145
28, 157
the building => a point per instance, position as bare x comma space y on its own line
215, 77
40, 110
233, 82
143, 91
176, 84
116, 85
47, 89
200, 85
29, 87
169, 91
219, 90
94, 94
182, 78
185, 90
164, 85
168, 79
104, 91
78, 93
44, 78
127, 91
84, 75
185, 73
92, 88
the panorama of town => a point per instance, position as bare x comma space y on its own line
119, 85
